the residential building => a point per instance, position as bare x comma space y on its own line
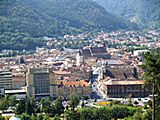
119, 82
123, 88
80, 88
5, 80
18, 80
41, 83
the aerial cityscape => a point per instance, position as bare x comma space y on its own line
79, 60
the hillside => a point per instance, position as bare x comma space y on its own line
50, 17
144, 12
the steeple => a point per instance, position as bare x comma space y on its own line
79, 59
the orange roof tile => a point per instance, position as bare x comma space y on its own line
75, 83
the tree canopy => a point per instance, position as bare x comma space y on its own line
151, 76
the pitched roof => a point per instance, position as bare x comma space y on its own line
73, 83
119, 73
102, 55
98, 50
85, 52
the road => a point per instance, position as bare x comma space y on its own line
96, 94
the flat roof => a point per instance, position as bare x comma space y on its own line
14, 91
124, 82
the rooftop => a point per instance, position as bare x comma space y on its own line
74, 83
124, 82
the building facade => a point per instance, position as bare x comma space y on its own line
80, 88
123, 88
5, 80
40, 83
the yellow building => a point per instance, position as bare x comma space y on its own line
40, 83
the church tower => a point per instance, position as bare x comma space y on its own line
79, 59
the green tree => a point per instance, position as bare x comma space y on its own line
86, 114
2, 118
145, 116
73, 102
40, 117
30, 104
25, 116
59, 108
105, 113
4, 104
45, 105
72, 115
151, 76
46, 117
12, 101
33, 117
57, 117
137, 116
20, 108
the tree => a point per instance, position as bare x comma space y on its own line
2, 118
20, 108
33, 117
25, 116
40, 117
57, 117
146, 116
137, 116
59, 108
4, 104
30, 104
46, 117
151, 76
72, 114
74, 101
12, 101
45, 105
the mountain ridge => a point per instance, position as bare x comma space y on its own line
39, 18
145, 13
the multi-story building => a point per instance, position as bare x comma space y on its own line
74, 80
119, 82
80, 88
40, 83
5, 80
123, 88
18, 81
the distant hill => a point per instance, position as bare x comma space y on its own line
146, 13
50, 17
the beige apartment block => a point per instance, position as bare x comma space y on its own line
40, 83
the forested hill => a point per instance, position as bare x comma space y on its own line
144, 12
50, 17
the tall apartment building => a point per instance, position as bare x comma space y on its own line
5, 80
41, 83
